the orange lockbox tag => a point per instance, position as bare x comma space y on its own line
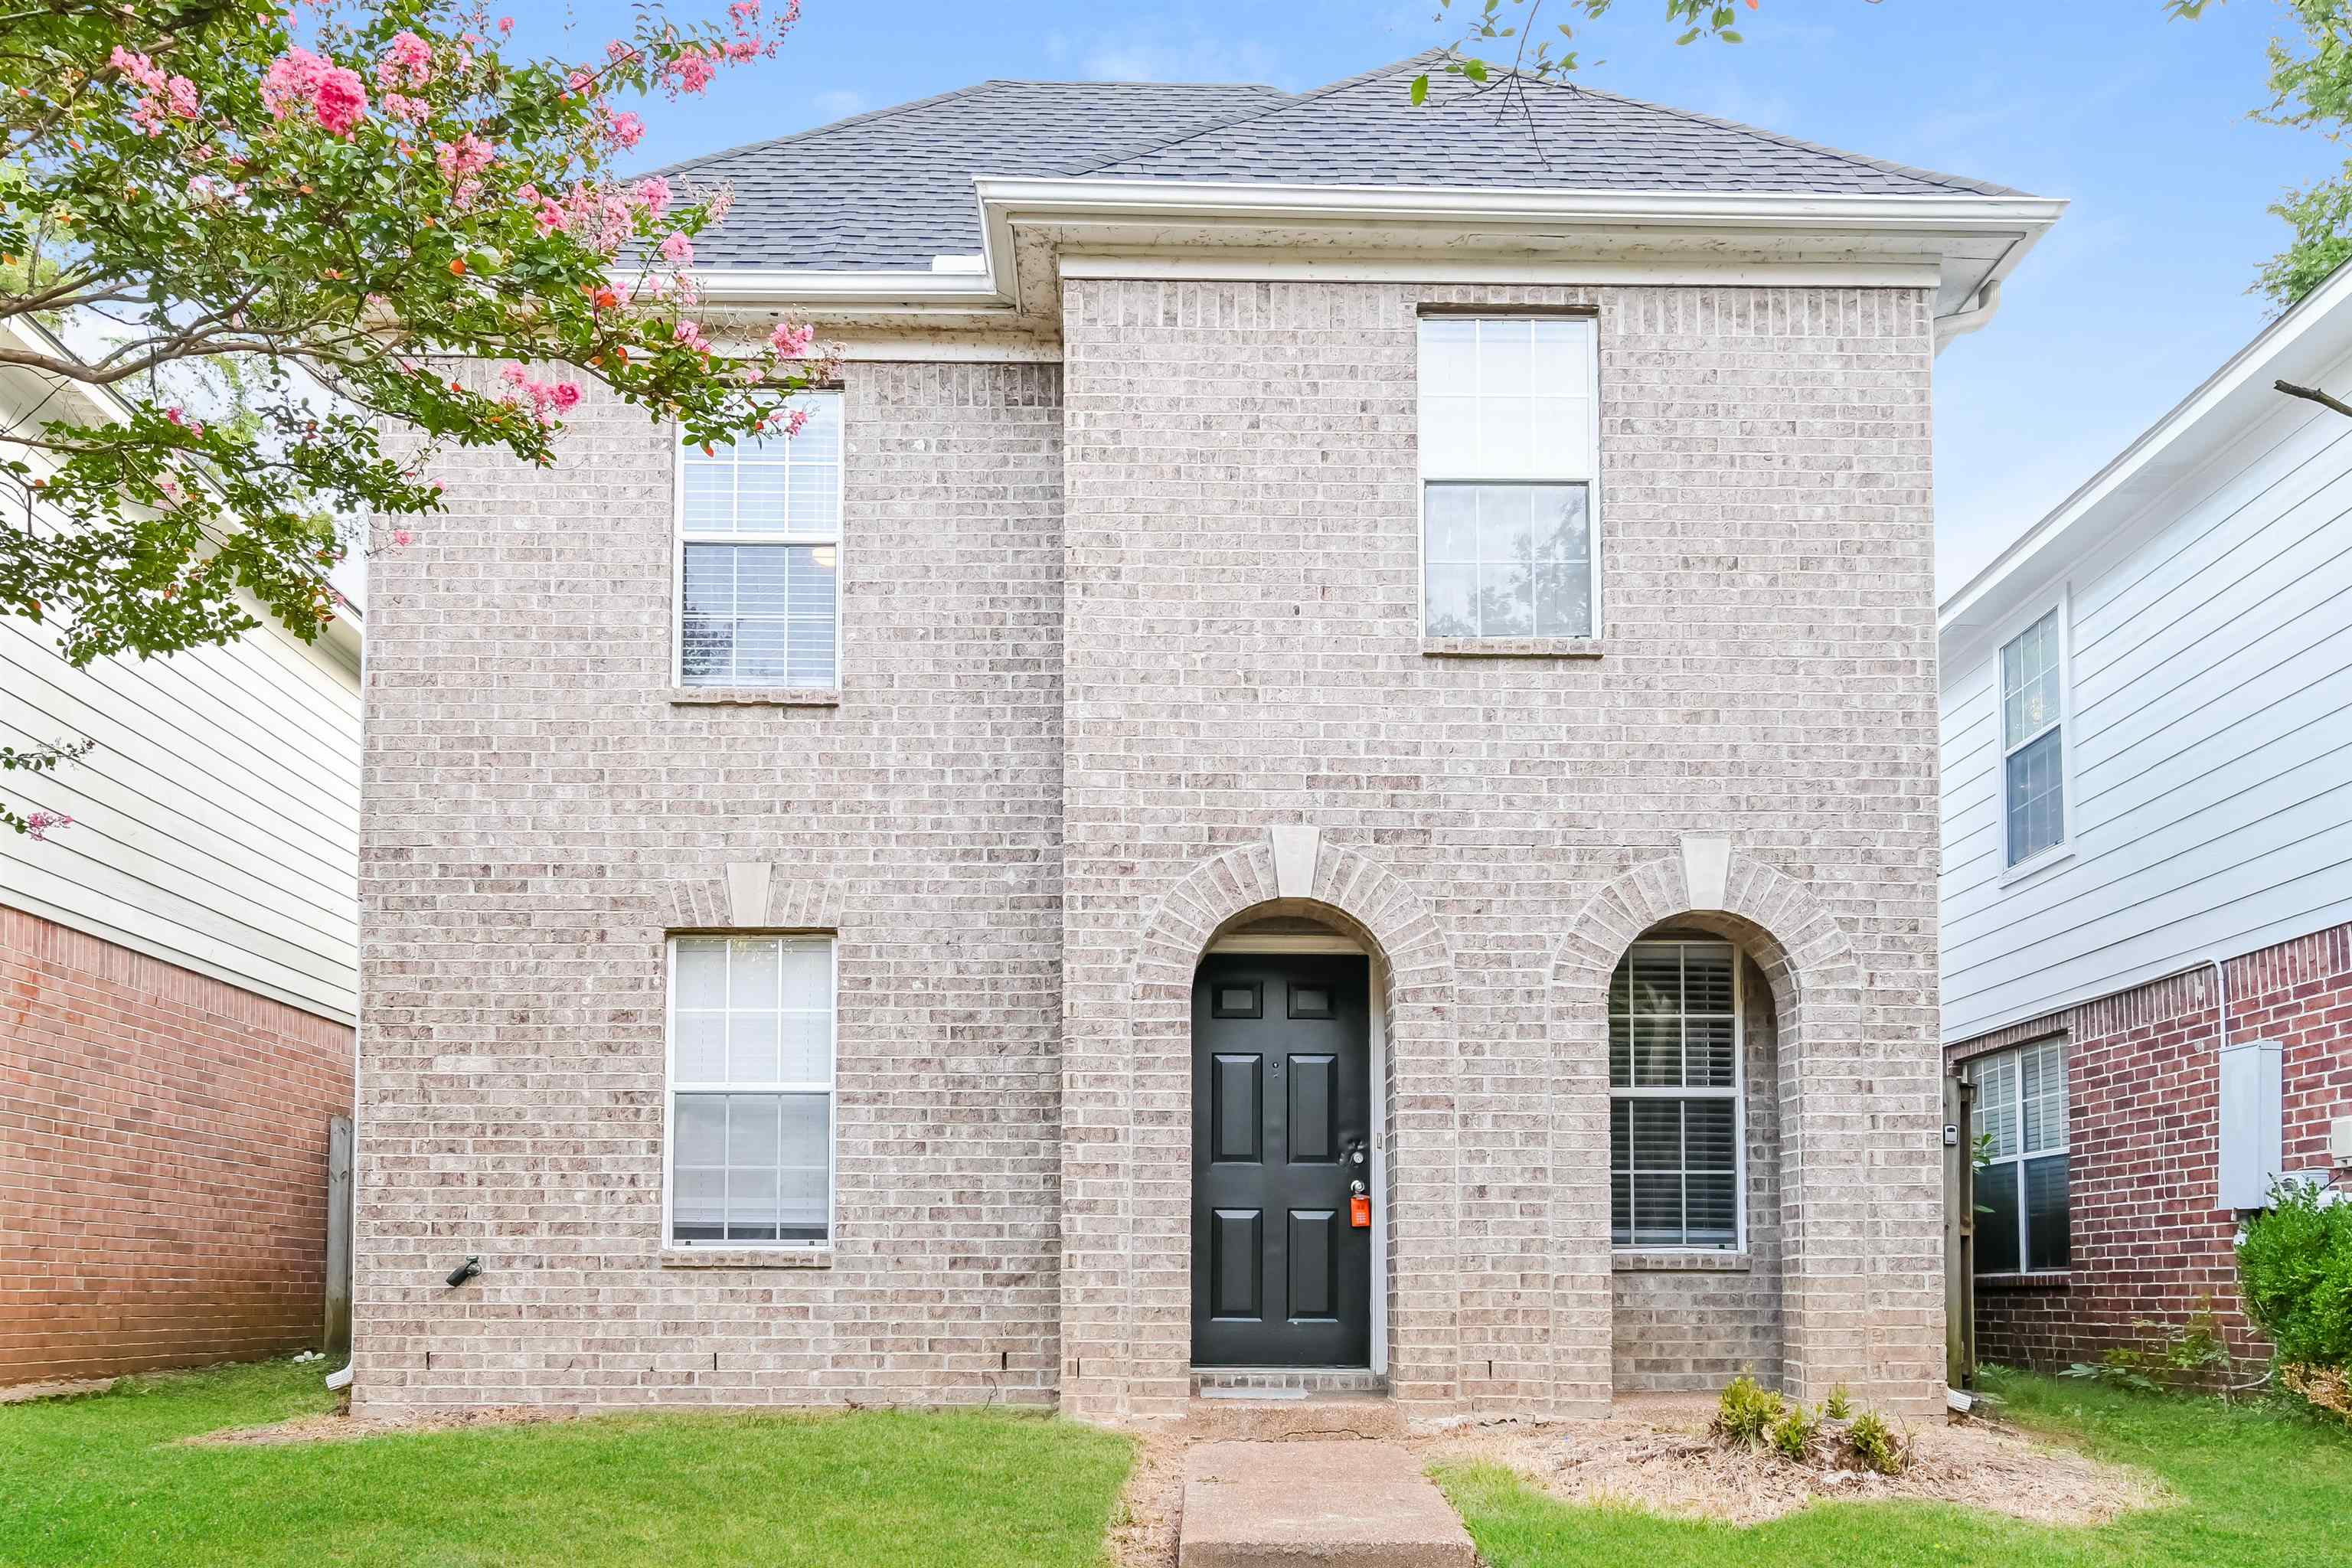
1359, 1212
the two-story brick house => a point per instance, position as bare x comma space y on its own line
1322, 761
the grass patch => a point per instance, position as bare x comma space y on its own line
2264, 1487
102, 1480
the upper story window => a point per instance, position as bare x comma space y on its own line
759, 529
1674, 1116
1510, 547
2022, 1224
750, 1067
2033, 738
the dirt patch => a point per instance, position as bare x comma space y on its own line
339, 1426
1659, 1457
58, 1388
1143, 1529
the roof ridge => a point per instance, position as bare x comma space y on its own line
1883, 165
1309, 96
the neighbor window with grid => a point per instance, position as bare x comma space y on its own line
2022, 1224
750, 1127
1509, 548
759, 528
1674, 1116
2033, 738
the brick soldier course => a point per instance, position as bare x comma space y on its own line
1130, 592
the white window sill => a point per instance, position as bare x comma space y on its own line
1679, 1260
1511, 647
746, 1257
2049, 859
755, 696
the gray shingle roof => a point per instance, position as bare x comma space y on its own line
892, 188
1515, 133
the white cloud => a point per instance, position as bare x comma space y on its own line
1158, 54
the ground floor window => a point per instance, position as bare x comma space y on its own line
1674, 1116
751, 1104
2021, 1119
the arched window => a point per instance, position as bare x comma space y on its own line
1675, 1125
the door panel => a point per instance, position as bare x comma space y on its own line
1281, 1107
1237, 1257
1236, 1108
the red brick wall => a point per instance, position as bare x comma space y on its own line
163, 1161
2142, 1088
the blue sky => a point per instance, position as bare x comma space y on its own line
2137, 294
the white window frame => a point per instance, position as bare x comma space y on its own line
672, 1086
2014, 869
1974, 1067
1591, 482
684, 536
1737, 1093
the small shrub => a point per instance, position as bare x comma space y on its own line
1793, 1434
1746, 1411
2294, 1273
1839, 1405
2326, 1388
1872, 1445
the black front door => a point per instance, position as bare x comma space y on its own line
1281, 1122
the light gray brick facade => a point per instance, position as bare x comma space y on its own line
1106, 623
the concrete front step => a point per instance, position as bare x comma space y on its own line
1317, 1418
1309, 1505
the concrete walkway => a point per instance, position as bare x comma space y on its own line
1302, 1505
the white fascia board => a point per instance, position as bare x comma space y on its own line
1181, 199
2316, 333
1005, 200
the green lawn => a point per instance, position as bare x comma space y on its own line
2262, 1488
100, 1480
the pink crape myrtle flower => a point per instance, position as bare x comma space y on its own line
653, 194
461, 163
334, 94
625, 129
792, 339
678, 249
163, 95
546, 398
407, 63
38, 825
688, 334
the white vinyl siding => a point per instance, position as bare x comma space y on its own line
2022, 1222
759, 565
216, 819
2207, 732
2033, 739
1510, 546
1675, 1116
750, 1058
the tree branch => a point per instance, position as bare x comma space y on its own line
2312, 395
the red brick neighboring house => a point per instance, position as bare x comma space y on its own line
163, 1193
2147, 844
178, 977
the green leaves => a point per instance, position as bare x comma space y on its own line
286, 244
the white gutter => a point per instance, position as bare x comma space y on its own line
990, 284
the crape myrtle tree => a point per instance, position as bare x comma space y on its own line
253, 238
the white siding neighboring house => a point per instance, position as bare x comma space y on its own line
2195, 598
215, 822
